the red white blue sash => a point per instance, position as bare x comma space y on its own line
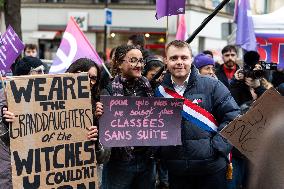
191, 112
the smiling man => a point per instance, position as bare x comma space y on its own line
200, 162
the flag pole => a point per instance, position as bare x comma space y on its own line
206, 20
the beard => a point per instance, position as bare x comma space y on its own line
230, 64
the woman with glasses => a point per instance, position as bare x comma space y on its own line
128, 167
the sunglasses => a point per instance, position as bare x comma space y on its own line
93, 77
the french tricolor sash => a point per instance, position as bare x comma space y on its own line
191, 112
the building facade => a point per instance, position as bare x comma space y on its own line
44, 21
265, 6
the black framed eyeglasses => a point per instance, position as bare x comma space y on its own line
134, 61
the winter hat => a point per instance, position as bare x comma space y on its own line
201, 60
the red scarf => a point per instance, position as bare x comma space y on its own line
230, 72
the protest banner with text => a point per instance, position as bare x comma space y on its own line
246, 131
140, 121
10, 48
48, 140
270, 48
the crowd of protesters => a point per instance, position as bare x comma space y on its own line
205, 159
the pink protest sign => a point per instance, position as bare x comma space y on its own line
74, 46
140, 121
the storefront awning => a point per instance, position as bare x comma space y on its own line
43, 34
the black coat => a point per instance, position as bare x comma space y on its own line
202, 152
222, 76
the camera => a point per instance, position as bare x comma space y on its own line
251, 61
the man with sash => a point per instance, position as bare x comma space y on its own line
201, 161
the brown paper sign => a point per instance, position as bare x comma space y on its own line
245, 132
48, 140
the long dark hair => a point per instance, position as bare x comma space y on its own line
84, 65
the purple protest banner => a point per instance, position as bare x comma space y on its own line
140, 121
169, 8
11, 48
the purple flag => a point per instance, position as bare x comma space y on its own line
11, 48
169, 7
245, 30
74, 45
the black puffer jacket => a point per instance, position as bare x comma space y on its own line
202, 152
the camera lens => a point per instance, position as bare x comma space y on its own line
257, 74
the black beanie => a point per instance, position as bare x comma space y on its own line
26, 64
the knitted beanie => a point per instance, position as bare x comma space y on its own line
202, 60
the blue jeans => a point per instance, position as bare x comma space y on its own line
137, 173
240, 174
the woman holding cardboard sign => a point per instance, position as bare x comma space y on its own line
87, 65
27, 66
128, 167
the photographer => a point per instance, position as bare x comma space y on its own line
246, 83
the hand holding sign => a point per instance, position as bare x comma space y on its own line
9, 116
93, 133
99, 109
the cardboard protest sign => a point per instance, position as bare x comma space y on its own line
245, 132
48, 140
11, 48
140, 121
